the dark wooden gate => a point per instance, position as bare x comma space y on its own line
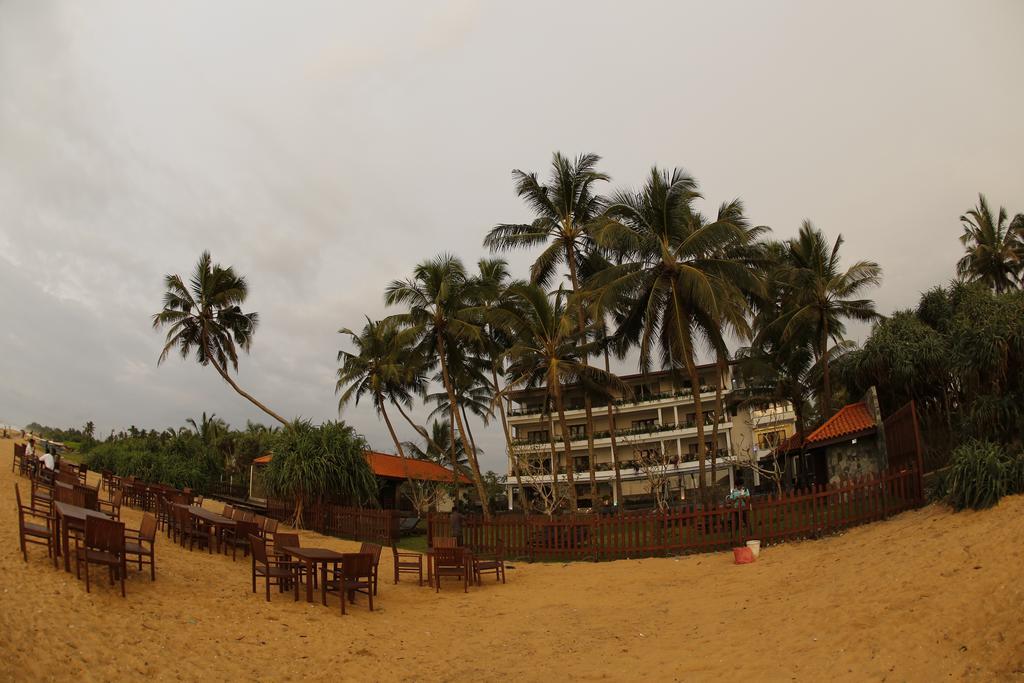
903, 441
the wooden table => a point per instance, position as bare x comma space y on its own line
217, 521
66, 512
467, 559
312, 557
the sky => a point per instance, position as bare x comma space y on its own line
324, 148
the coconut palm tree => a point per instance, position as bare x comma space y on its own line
208, 429
378, 369
205, 317
995, 250
441, 316
494, 282
439, 447
677, 276
567, 209
548, 350
820, 297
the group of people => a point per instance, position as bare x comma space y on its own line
46, 458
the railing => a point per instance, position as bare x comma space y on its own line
635, 400
357, 524
803, 514
231, 489
626, 431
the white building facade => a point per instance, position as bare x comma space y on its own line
656, 438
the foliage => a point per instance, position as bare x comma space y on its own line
325, 463
994, 248
177, 459
979, 475
205, 318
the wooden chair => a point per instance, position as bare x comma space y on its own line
18, 463
189, 531
227, 511
83, 473
450, 562
30, 531
199, 501
354, 576
445, 542
372, 549
261, 523
142, 543
240, 539
42, 496
113, 506
103, 544
407, 563
495, 563
270, 528
275, 571
248, 516
288, 539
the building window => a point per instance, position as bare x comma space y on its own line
540, 436
577, 430
769, 440
644, 424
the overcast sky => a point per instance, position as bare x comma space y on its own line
323, 148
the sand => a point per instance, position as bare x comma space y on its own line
927, 595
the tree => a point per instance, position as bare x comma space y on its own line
206, 318
377, 369
567, 210
312, 464
548, 350
820, 297
994, 249
439, 298
676, 275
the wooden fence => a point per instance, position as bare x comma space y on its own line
357, 524
797, 515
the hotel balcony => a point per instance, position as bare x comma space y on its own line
626, 436
576, 410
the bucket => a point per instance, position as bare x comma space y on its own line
742, 555
755, 547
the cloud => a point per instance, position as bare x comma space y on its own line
324, 152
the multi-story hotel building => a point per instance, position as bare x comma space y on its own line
654, 423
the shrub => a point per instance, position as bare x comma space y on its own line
180, 460
979, 475
320, 463
1015, 478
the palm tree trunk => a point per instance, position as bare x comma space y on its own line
567, 445
244, 393
718, 422
471, 454
611, 431
691, 367
414, 492
508, 441
826, 384
587, 403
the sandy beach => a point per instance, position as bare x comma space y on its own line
923, 596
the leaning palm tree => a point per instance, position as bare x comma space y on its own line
677, 276
820, 297
440, 297
205, 317
995, 250
568, 210
549, 351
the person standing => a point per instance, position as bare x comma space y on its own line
456, 522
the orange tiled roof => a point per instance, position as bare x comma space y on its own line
394, 467
852, 419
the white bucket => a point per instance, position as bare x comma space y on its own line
755, 547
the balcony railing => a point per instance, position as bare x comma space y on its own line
630, 466
630, 431
635, 400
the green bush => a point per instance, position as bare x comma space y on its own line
180, 460
1015, 483
979, 475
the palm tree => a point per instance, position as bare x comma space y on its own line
995, 250
549, 351
820, 297
440, 300
439, 447
208, 429
677, 276
568, 210
206, 317
494, 281
378, 369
